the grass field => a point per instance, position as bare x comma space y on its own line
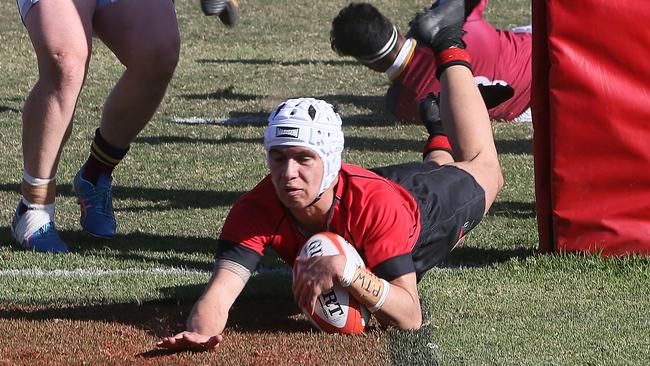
495, 301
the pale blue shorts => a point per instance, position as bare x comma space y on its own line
25, 5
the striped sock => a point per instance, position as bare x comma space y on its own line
103, 158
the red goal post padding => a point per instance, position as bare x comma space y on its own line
591, 116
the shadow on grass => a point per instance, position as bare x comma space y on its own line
516, 147
163, 199
180, 199
4, 108
259, 119
278, 62
358, 143
227, 93
352, 142
169, 139
149, 249
416, 347
164, 319
137, 247
511, 209
372, 102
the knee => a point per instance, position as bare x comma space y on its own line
499, 180
157, 63
63, 71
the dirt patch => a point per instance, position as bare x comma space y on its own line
259, 333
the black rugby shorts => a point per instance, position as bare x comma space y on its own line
451, 204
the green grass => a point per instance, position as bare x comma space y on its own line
495, 301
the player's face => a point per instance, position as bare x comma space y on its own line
296, 173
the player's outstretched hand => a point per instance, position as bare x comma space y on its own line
190, 340
440, 26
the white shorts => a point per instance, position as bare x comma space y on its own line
25, 5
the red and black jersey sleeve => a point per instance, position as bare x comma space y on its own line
250, 226
237, 253
390, 237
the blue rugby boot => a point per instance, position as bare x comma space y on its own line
34, 229
96, 203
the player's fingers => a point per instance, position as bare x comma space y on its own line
312, 305
299, 297
169, 342
195, 341
213, 341
296, 287
162, 343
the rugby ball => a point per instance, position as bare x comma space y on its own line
335, 311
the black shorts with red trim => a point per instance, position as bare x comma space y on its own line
451, 204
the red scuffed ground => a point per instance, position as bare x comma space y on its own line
261, 333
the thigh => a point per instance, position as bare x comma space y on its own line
137, 29
60, 28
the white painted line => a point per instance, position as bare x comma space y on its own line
255, 119
252, 120
37, 272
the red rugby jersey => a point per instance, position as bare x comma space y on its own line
377, 216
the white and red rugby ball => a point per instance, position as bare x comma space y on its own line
335, 311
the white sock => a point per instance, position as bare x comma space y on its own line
33, 181
33, 219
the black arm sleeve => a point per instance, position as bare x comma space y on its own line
394, 267
238, 254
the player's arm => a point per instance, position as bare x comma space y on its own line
395, 303
208, 318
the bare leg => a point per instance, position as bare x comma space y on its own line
468, 126
144, 36
439, 157
60, 32
61, 35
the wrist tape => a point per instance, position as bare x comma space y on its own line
352, 272
384, 294
348, 272
451, 57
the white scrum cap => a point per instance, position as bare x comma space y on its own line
310, 123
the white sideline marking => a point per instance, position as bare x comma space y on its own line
256, 120
37, 272
218, 121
